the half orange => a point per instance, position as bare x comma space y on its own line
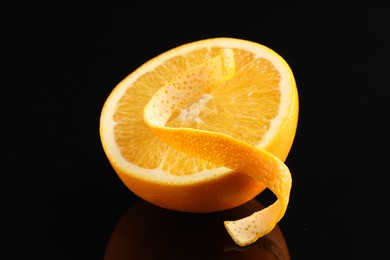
249, 100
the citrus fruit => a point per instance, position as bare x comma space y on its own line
204, 127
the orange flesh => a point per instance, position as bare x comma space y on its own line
210, 112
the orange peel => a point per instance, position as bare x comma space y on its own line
219, 148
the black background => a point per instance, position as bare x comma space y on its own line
60, 199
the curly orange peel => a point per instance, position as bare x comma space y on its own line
219, 148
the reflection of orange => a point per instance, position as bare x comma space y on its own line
149, 232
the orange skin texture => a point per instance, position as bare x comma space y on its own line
216, 194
